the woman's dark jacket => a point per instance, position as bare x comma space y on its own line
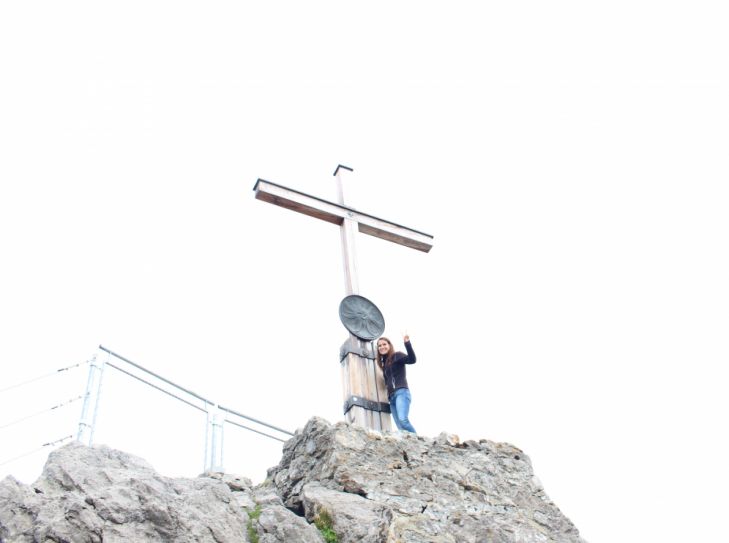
395, 372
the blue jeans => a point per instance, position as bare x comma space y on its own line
400, 408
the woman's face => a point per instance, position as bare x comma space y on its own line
383, 346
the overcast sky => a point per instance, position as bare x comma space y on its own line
570, 159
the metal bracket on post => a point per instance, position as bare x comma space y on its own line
214, 440
371, 405
87, 422
355, 346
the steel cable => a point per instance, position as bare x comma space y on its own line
50, 444
41, 377
40, 412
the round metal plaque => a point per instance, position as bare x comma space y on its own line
361, 317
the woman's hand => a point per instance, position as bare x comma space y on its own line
406, 338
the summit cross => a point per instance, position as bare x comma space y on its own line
365, 393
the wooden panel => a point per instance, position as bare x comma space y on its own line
357, 378
394, 233
381, 393
335, 214
361, 378
368, 393
297, 201
349, 256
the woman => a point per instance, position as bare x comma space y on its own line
392, 365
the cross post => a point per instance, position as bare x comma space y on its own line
348, 231
363, 386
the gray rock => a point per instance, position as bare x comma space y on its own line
355, 519
372, 488
276, 523
100, 494
279, 525
407, 488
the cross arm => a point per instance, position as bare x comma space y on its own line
335, 214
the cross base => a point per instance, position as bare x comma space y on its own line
365, 393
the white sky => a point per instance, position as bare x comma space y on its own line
570, 159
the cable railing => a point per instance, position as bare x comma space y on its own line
217, 415
28, 427
206, 401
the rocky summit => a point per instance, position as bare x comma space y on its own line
334, 483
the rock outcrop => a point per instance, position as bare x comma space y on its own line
390, 487
98, 494
334, 482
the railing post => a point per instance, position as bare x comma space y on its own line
214, 439
87, 422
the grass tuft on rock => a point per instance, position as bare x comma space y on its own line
252, 517
323, 521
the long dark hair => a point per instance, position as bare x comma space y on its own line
385, 360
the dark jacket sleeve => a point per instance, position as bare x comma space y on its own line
410, 358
